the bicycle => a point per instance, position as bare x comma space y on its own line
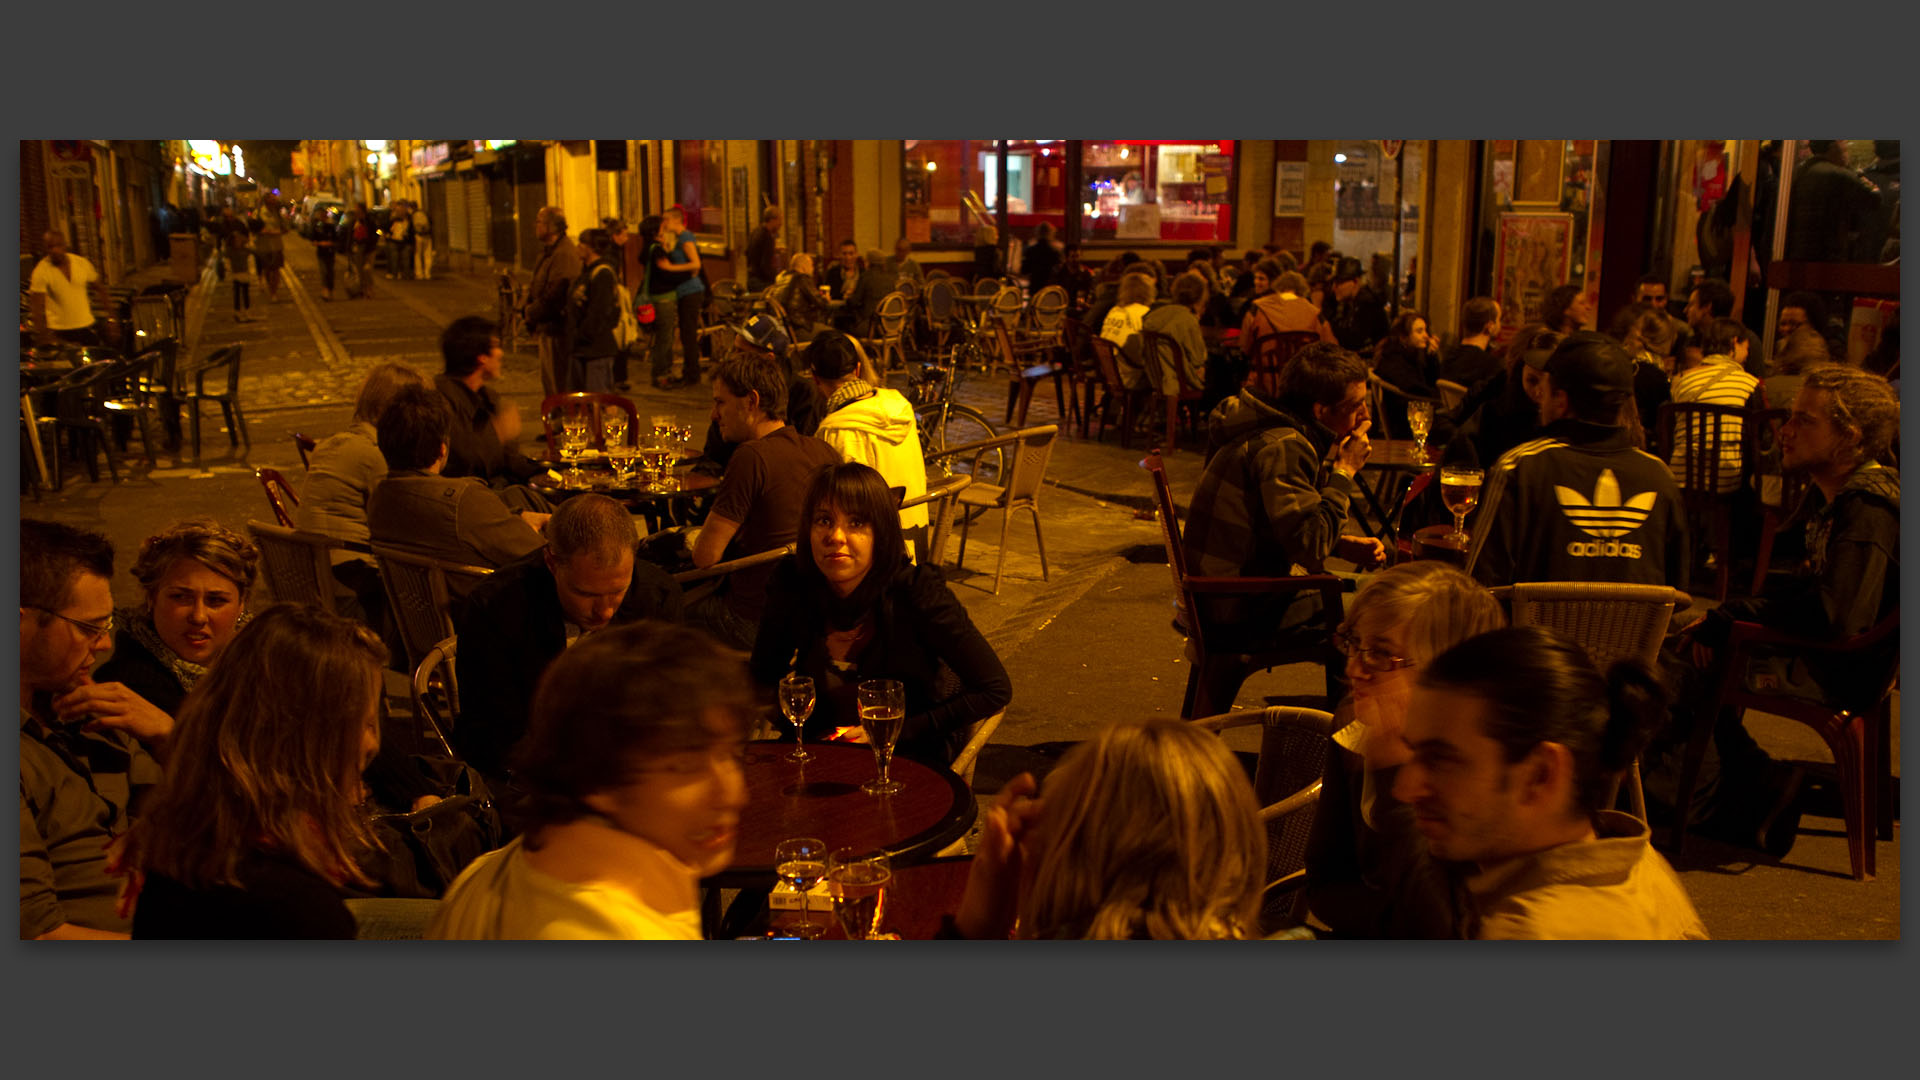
946, 423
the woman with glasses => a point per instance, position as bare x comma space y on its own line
256, 826
196, 576
1367, 875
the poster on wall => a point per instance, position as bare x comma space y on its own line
1289, 188
1139, 221
1533, 257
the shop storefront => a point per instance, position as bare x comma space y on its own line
1129, 192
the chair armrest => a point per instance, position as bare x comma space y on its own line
1299, 800
1262, 585
967, 448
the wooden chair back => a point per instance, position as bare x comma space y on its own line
1705, 446
1452, 394
1268, 354
280, 494
556, 407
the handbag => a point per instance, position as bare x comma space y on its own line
425, 850
643, 313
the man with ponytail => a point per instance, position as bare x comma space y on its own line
1517, 742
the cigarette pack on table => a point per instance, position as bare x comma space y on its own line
787, 898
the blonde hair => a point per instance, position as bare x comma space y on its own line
1150, 830
795, 264
1439, 606
266, 752
1135, 288
203, 540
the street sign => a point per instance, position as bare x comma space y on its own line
1391, 147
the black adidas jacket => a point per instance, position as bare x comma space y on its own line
1580, 503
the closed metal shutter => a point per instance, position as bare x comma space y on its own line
437, 209
478, 218
453, 223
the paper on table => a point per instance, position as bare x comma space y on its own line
787, 898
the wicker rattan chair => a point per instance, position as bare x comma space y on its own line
419, 595
298, 564
941, 497
1611, 621
1029, 449
1286, 782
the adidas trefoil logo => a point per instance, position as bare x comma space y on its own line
1606, 516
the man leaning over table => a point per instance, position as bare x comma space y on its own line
758, 504
525, 614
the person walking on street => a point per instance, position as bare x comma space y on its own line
593, 310
399, 242
241, 256
269, 250
422, 244
322, 232
545, 309
360, 239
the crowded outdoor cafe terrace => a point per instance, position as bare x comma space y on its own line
606, 573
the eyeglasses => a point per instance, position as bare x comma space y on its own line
1377, 660
91, 630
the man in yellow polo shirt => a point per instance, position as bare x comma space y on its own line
63, 286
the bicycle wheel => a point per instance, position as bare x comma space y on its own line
944, 425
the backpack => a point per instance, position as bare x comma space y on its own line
627, 331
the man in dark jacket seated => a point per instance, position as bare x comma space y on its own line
1842, 425
526, 613
482, 442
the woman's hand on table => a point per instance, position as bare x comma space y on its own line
992, 900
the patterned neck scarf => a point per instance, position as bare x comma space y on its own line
143, 631
853, 390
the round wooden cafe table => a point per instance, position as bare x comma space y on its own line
822, 798
917, 898
1437, 542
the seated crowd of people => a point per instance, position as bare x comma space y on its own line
218, 775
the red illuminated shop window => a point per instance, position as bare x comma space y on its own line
1148, 190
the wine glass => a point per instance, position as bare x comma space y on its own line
661, 425
857, 881
613, 424
1460, 491
1420, 422
573, 442
796, 704
801, 863
883, 710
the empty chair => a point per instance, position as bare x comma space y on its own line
1029, 449
225, 364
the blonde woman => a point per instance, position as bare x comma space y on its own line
1147, 830
253, 831
195, 578
1367, 875
341, 474
1123, 324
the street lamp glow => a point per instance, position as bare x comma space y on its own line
931, 166
1339, 159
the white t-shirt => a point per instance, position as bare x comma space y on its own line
499, 897
68, 306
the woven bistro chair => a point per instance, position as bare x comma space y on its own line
1029, 449
299, 564
1705, 446
941, 497
1610, 621
889, 327
1286, 782
419, 594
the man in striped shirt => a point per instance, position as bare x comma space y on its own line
1581, 503
1720, 378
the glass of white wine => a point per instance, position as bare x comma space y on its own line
1420, 422
857, 881
574, 438
796, 704
883, 710
1460, 491
801, 863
